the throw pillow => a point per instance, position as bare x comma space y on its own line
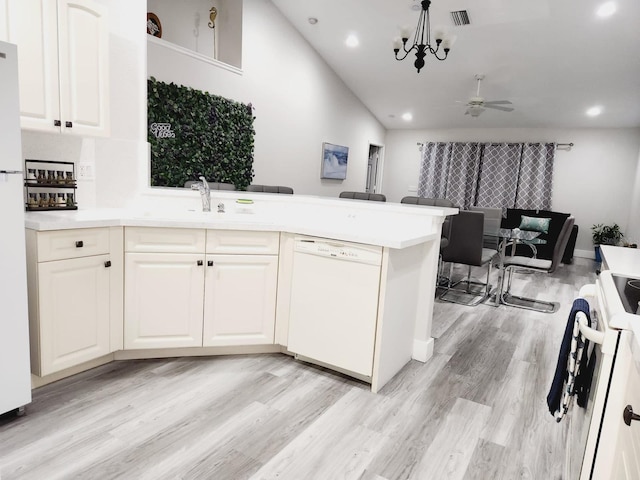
534, 223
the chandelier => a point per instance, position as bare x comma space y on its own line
422, 40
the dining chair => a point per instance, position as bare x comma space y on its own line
466, 248
375, 197
446, 224
518, 262
270, 189
492, 220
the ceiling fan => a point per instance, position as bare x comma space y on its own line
476, 105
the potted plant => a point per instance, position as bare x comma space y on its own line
605, 235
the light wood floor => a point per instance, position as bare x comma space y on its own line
476, 410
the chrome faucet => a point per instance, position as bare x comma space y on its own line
205, 193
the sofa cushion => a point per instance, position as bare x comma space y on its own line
536, 224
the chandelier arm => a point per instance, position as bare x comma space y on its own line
406, 52
435, 52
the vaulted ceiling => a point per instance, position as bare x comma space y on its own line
553, 59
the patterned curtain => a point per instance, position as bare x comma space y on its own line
508, 175
498, 184
450, 170
434, 170
535, 181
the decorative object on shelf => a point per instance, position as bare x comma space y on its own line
334, 161
52, 187
213, 13
211, 136
605, 235
422, 40
154, 27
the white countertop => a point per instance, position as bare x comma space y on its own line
621, 260
386, 227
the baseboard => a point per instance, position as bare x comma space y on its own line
37, 381
195, 351
422, 350
590, 254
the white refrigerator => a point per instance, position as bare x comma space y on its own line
15, 377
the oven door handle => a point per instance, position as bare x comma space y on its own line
589, 333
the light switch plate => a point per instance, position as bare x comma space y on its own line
85, 171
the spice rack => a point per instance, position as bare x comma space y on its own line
50, 185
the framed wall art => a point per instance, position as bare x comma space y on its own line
334, 161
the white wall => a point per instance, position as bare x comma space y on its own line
594, 181
299, 102
632, 232
118, 160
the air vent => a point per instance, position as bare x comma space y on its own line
460, 17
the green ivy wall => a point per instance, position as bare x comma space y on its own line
195, 133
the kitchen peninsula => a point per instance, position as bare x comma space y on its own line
163, 278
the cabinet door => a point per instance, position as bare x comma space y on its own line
83, 58
32, 25
74, 311
164, 295
618, 454
240, 299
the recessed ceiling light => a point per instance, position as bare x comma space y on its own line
594, 111
313, 20
352, 41
407, 117
606, 9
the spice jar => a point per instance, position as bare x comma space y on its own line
32, 201
42, 178
60, 177
70, 178
31, 175
70, 200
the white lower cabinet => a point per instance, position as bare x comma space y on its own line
75, 284
240, 299
74, 312
163, 300
176, 295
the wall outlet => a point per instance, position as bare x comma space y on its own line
85, 171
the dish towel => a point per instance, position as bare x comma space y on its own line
573, 351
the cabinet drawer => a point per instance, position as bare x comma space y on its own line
243, 242
164, 240
76, 243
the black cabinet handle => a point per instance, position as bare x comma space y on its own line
107, 264
68, 124
57, 123
210, 263
199, 263
79, 244
628, 415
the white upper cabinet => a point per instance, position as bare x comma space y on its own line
63, 59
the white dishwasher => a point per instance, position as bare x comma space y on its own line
334, 303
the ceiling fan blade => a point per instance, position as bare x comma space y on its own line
496, 107
498, 102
